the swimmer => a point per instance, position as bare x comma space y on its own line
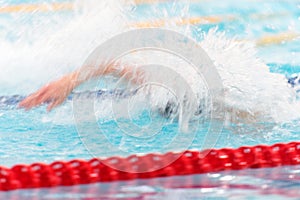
252, 93
56, 92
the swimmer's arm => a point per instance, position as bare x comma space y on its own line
56, 92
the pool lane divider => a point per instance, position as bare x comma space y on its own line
31, 7
62, 6
277, 38
197, 20
28, 8
67, 6
181, 22
200, 20
77, 172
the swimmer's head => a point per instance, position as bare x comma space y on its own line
294, 82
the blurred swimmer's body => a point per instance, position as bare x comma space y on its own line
252, 93
56, 92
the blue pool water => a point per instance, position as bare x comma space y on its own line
38, 136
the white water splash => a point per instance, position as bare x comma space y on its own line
44, 50
249, 86
46, 46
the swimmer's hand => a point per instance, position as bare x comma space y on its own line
54, 94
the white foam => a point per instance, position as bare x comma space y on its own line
56, 47
247, 81
44, 50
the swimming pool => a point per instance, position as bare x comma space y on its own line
38, 136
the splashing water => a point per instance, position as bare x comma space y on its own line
35, 50
249, 86
46, 46
37, 47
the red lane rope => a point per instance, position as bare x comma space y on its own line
76, 172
